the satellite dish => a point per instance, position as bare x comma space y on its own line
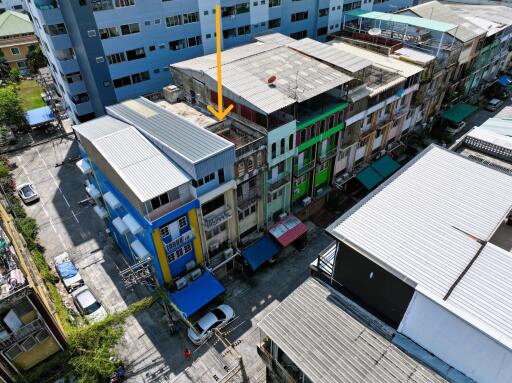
374, 32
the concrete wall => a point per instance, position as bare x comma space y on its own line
456, 342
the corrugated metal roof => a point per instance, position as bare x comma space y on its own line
500, 15
15, 23
245, 74
144, 169
189, 143
328, 344
324, 52
501, 125
504, 114
484, 295
416, 222
414, 55
275, 38
381, 61
434, 10
424, 223
488, 135
434, 24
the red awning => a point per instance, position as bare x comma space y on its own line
288, 230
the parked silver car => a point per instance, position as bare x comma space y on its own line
88, 305
28, 193
216, 318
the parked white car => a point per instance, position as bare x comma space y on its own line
88, 305
216, 318
68, 272
28, 193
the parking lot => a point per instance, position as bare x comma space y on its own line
151, 353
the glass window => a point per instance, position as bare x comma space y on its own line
182, 222
172, 21
15, 51
128, 29
135, 54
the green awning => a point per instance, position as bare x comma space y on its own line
458, 112
369, 178
385, 166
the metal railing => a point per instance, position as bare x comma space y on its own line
327, 155
247, 199
22, 332
304, 169
283, 179
217, 217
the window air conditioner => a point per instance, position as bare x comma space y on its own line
190, 265
181, 283
195, 274
306, 201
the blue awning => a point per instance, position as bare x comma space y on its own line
505, 80
197, 294
260, 251
369, 177
385, 166
39, 116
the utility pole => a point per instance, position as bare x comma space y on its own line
241, 368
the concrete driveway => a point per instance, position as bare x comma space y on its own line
151, 353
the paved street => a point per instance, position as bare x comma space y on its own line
151, 353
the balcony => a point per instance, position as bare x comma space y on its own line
281, 180
180, 241
217, 217
21, 333
304, 169
327, 155
167, 208
400, 112
247, 199
46, 4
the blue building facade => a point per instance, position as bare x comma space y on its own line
104, 51
152, 219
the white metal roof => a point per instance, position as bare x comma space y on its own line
275, 38
484, 295
385, 62
314, 329
144, 169
487, 135
418, 57
324, 52
427, 222
501, 125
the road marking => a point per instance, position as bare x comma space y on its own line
74, 215
54, 180
44, 208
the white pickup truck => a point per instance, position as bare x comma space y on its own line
68, 272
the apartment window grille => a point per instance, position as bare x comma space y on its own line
173, 21
128, 29
116, 58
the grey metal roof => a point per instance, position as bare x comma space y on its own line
141, 166
414, 55
504, 114
434, 10
187, 144
425, 223
500, 15
275, 38
501, 125
329, 345
246, 69
344, 60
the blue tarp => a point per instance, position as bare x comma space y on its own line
197, 294
260, 251
385, 166
39, 116
66, 269
505, 80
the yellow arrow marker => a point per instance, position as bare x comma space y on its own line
221, 113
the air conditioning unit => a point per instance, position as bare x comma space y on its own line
190, 265
228, 253
382, 152
296, 191
283, 215
195, 274
172, 93
306, 201
181, 283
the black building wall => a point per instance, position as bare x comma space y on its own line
383, 293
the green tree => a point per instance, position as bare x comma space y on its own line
11, 111
4, 69
35, 59
14, 75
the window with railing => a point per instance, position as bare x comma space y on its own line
55, 29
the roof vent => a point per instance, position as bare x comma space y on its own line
271, 80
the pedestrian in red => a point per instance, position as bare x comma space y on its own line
187, 354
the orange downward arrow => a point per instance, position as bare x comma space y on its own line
221, 113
